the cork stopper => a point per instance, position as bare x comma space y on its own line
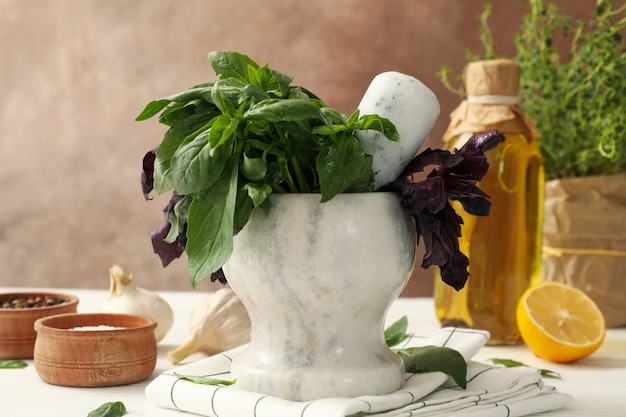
492, 101
492, 77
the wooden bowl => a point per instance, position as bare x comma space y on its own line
17, 332
95, 350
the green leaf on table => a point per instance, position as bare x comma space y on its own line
435, 359
510, 363
205, 380
5, 363
396, 333
110, 409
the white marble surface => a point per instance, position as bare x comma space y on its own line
596, 383
412, 107
317, 280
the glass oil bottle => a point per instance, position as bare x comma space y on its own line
504, 248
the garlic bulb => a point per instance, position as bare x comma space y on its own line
126, 298
217, 323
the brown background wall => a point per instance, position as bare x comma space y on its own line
75, 73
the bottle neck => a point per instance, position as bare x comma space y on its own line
493, 99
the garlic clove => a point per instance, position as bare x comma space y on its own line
127, 298
217, 323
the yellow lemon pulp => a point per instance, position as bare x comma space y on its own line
559, 322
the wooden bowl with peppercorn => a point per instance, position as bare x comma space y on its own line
18, 313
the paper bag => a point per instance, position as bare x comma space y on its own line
585, 239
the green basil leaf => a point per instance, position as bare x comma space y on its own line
381, 124
186, 119
178, 218
435, 359
354, 118
334, 117
546, 373
338, 165
260, 128
304, 140
365, 180
152, 108
223, 130
283, 110
205, 380
265, 79
163, 163
221, 101
175, 229
110, 409
254, 169
326, 130
10, 363
243, 210
231, 64
396, 333
195, 167
199, 92
510, 363
282, 87
255, 92
302, 93
211, 226
258, 193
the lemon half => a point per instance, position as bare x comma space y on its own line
559, 322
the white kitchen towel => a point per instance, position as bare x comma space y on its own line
491, 391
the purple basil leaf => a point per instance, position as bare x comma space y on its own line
166, 251
476, 206
429, 194
462, 187
174, 198
473, 165
481, 142
218, 276
454, 273
454, 177
430, 157
441, 232
147, 173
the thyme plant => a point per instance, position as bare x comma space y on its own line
577, 96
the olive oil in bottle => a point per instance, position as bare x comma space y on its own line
504, 248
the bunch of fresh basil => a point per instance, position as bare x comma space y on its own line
233, 142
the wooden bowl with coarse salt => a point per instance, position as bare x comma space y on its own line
95, 349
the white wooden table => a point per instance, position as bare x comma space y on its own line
597, 383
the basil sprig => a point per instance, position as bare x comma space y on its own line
426, 358
233, 142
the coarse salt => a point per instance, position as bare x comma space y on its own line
99, 327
